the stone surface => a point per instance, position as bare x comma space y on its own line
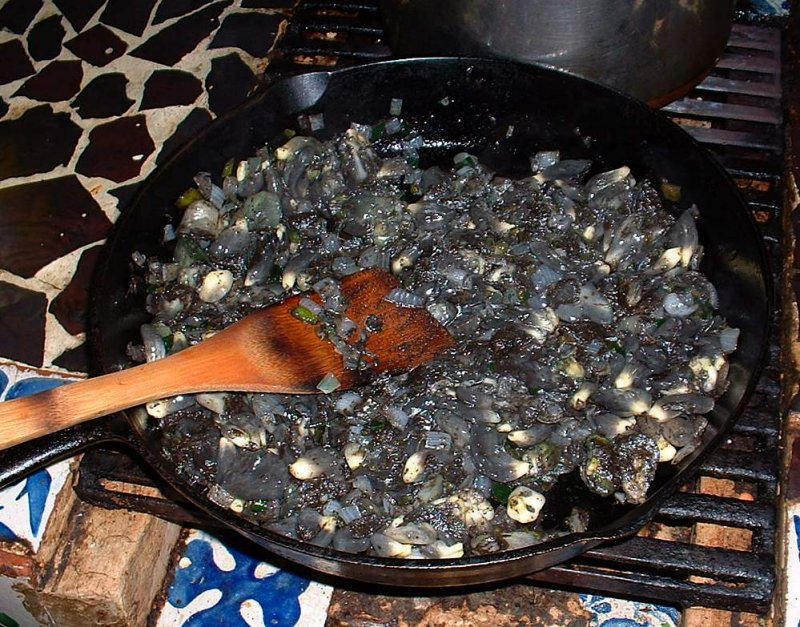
27, 211
187, 129
57, 81
36, 142
16, 15
131, 17
22, 323
45, 38
73, 359
98, 46
70, 307
78, 12
251, 32
169, 9
228, 84
175, 40
125, 193
166, 88
117, 149
14, 63
104, 97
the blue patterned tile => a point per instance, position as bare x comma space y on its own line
771, 7
610, 612
26, 505
217, 584
32, 385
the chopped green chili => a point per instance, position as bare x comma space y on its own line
188, 197
501, 491
304, 314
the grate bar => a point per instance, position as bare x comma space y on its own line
756, 423
743, 139
756, 34
297, 45
356, 21
745, 63
752, 40
758, 167
684, 559
741, 466
337, 24
753, 597
738, 86
723, 511
723, 110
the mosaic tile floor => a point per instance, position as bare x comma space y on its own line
94, 94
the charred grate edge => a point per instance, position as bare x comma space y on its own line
737, 113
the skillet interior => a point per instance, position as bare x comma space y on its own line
461, 104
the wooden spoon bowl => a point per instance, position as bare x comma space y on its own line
270, 350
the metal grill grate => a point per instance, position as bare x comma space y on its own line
737, 113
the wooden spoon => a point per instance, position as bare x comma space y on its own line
268, 351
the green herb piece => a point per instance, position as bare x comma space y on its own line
660, 322
188, 197
405, 500
378, 131
188, 252
227, 169
598, 440
706, 310
258, 506
467, 162
304, 314
615, 346
168, 342
501, 492
592, 466
376, 425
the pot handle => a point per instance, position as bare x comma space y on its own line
20, 460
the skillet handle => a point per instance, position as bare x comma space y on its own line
19, 461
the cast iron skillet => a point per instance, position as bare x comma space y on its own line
459, 104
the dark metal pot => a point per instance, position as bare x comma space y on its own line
459, 104
655, 50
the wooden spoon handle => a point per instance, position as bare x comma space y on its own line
211, 366
34, 416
